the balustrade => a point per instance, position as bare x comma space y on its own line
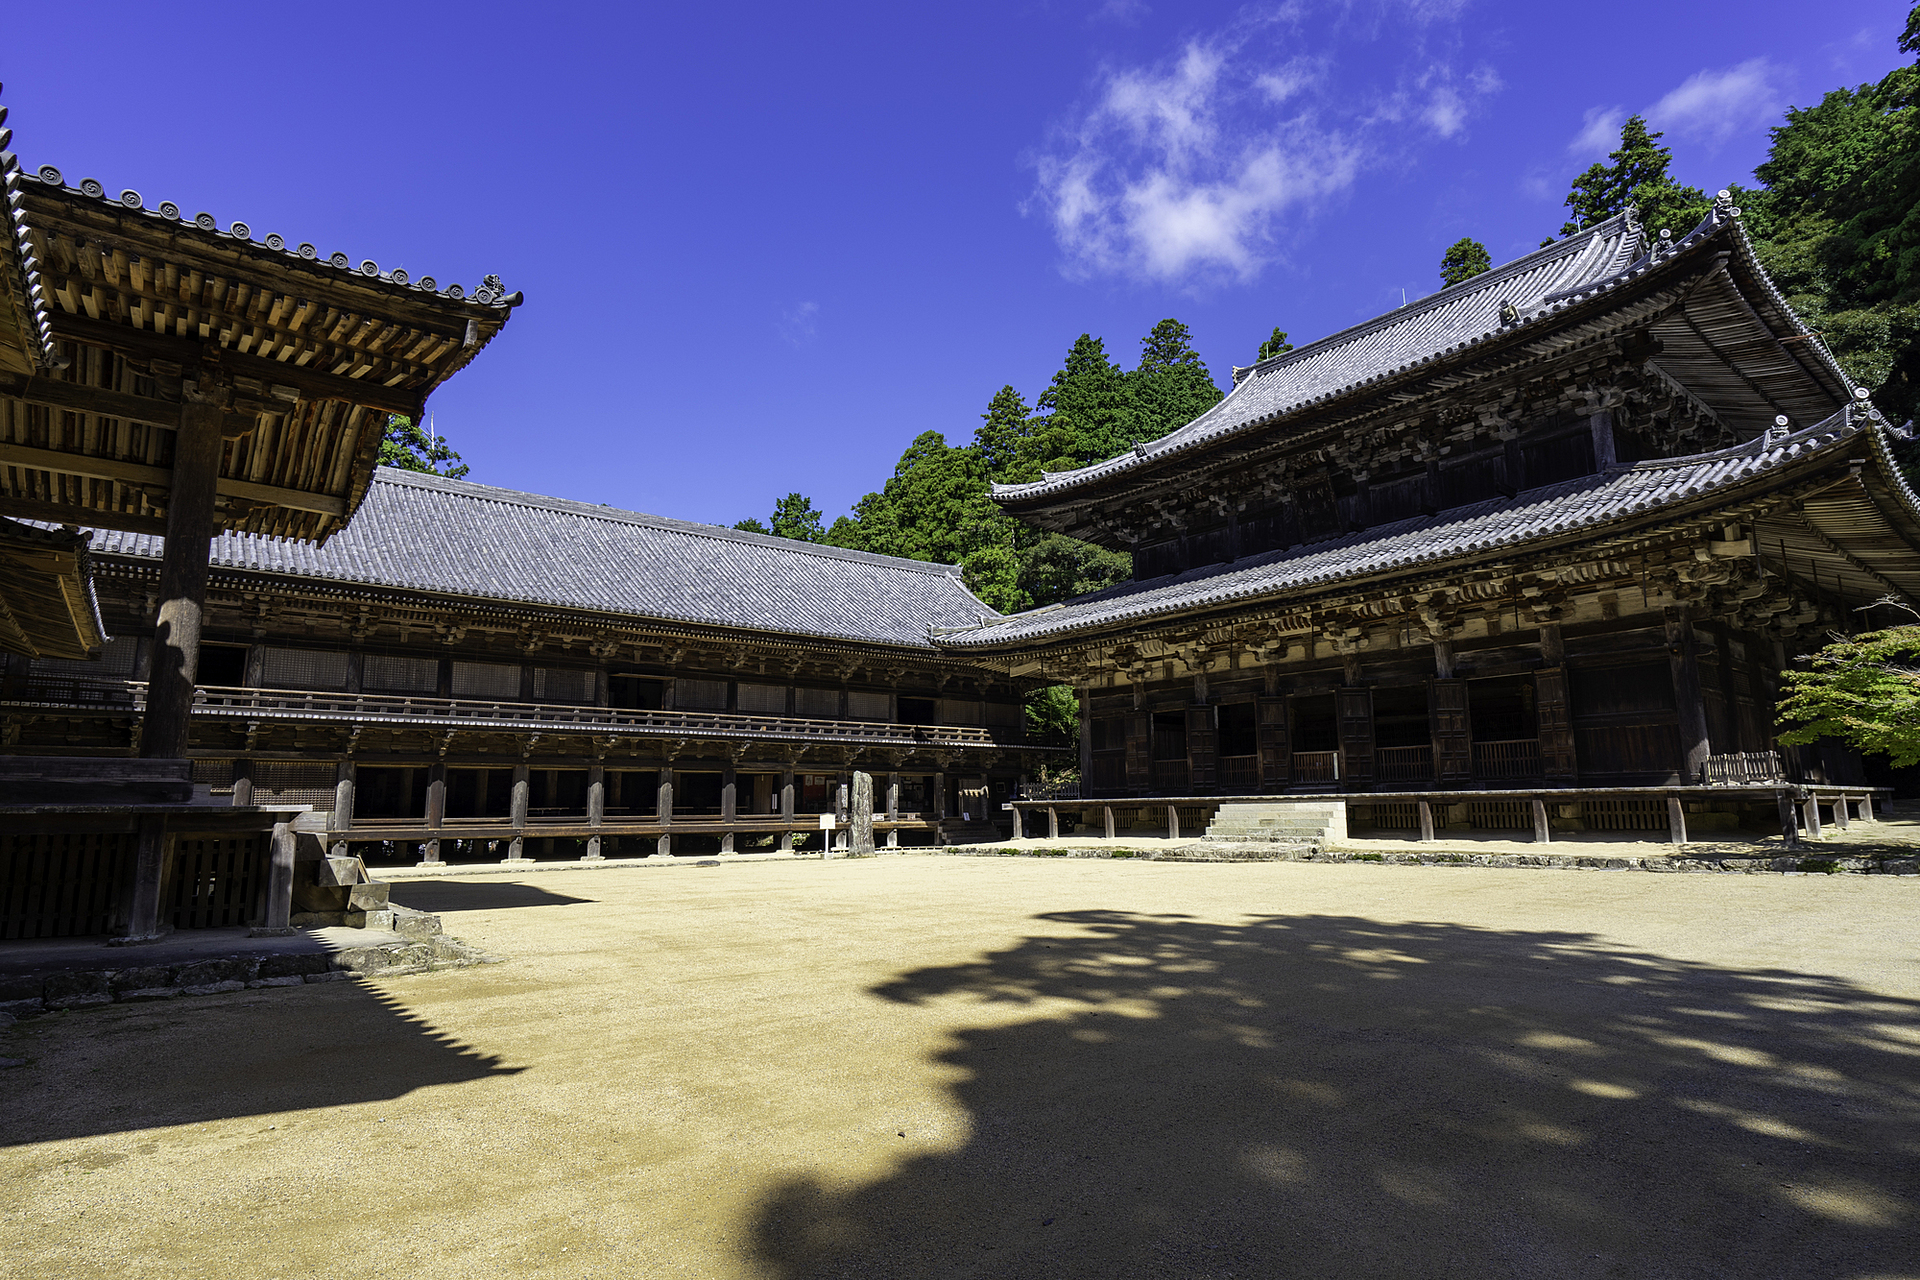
1404, 764
1507, 758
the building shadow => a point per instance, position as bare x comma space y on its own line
1326, 1096
457, 895
128, 1067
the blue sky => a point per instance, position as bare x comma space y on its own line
764, 246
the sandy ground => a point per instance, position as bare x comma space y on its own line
995, 1067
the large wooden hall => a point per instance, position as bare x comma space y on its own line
1551, 534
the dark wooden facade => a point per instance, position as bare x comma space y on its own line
1563, 525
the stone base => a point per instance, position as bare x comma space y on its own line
516, 862
430, 866
589, 857
262, 931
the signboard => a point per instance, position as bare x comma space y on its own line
826, 822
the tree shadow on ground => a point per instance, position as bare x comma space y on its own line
125, 1067
1334, 1097
460, 895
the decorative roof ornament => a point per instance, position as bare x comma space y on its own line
1509, 314
1723, 207
1782, 428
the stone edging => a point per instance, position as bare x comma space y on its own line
137, 984
1794, 864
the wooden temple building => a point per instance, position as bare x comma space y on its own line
1553, 531
1549, 534
476, 673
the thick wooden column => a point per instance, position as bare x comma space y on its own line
1086, 737
183, 573
342, 804
729, 805
893, 809
596, 808
663, 812
862, 833
1276, 759
242, 783
517, 812
939, 808
279, 884
149, 872
1688, 697
436, 814
786, 807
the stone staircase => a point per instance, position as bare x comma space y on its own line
330, 889
1304, 821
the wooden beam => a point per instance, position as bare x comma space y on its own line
313, 385
78, 398
64, 513
155, 479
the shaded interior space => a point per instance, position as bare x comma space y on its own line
1337, 1096
1315, 726
628, 692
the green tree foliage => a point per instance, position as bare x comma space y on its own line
750, 525
1277, 345
1053, 716
936, 505
1837, 223
410, 448
794, 517
1637, 176
1863, 690
1464, 259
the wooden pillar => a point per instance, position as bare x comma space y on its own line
1866, 807
729, 805
596, 808
149, 870
242, 783
862, 826
1553, 647
1840, 814
842, 814
893, 797
517, 813
1426, 820
1812, 810
1541, 833
279, 884
183, 572
436, 813
1106, 813
1676, 820
1601, 424
1789, 828
1688, 698
663, 813
1443, 658
342, 804
1053, 823
1086, 737
786, 809
1173, 823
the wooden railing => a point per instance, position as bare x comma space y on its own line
1509, 758
1404, 764
365, 708
1316, 766
1239, 773
1742, 766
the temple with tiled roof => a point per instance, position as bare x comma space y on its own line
1559, 526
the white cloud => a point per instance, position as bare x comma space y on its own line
1189, 169
800, 323
1599, 133
1713, 106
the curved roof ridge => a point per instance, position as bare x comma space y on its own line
620, 515
1587, 260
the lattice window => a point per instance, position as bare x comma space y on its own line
293, 782
700, 695
959, 711
1500, 815
869, 706
1004, 714
305, 669
1626, 813
486, 680
62, 885
214, 880
817, 704
400, 675
115, 663
763, 699
217, 774
560, 684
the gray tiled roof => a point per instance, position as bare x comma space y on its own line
427, 533
1457, 317
1504, 525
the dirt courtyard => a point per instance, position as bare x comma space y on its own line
1012, 1067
